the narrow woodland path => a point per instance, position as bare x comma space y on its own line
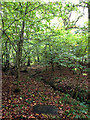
63, 80
34, 91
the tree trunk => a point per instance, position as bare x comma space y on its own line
88, 39
7, 58
6, 46
28, 64
46, 62
51, 59
19, 52
18, 64
38, 59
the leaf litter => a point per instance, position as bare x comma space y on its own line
33, 92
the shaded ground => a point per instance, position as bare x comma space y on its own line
68, 82
34, 91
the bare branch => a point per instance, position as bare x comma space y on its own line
78, 19
70, 15
10, 41
75, 27
3, 32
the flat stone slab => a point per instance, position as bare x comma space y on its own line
46, 109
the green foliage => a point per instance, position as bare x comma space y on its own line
55, 78
38, 78
42, 42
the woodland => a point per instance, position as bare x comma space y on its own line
45, 60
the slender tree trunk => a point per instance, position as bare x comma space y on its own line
18, 63
51, 59
46, 57
19, 52
28, 64
7, 57
6, 46
89, 39
38, 59
34, 60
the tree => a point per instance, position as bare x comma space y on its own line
29, 36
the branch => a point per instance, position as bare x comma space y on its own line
23, 26
70, 15
3, 32
80, 5
22, 16
71, 27
78, 19
10, 40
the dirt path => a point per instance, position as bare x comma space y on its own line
63, 80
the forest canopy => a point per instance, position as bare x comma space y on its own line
30, 35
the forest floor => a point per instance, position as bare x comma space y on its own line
33, 91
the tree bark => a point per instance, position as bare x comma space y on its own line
28, 64
7, 57
46, 56
51, 59
19, 52
88, 39
6, 50
38, 59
